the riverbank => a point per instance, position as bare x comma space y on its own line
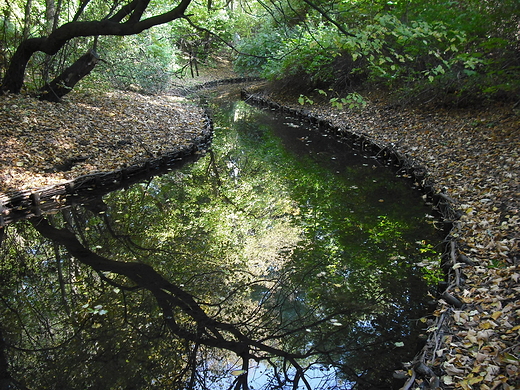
471, 156
44, 144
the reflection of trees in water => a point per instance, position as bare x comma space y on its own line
123, 316
97, 335
191, 279
180, 311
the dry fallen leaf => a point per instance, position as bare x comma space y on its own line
46, 143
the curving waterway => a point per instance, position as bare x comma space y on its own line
281, 259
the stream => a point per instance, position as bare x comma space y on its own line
281, 259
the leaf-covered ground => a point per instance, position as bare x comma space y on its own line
474, 156
45, 143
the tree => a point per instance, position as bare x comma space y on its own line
440, 49
127, 20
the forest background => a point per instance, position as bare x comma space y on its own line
454, 52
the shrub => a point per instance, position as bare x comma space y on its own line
143, 62
451, 57
257, 51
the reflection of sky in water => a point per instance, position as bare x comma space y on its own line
262, 377
318, 377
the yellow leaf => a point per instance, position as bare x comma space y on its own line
486, 325
496, 314
475, 379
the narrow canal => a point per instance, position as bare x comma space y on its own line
279, 260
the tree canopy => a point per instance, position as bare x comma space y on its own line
448, 49
453, 50
115, 19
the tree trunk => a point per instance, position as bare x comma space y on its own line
63, 84
27, 20
51, 16
14, 76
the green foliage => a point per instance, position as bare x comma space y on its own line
353, 100
442, 48
305, 100
257, 51
308, 51
8, 40
447, 49
204, 37
142, 62
430, 263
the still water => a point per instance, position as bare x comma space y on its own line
280, 259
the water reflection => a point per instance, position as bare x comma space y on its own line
278, 260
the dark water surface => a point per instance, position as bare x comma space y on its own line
280, 259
